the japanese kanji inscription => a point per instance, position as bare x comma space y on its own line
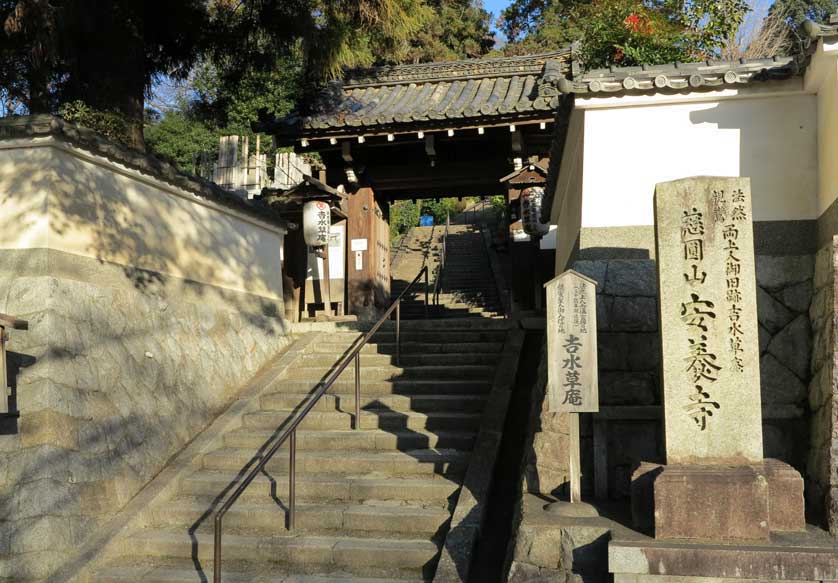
708, 320
571, 344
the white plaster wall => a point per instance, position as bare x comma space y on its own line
628, 149
822, 77
58, 197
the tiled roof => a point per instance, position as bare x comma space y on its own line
410, 97
681, 76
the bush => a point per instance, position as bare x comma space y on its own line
109, 124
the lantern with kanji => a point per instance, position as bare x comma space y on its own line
316, 221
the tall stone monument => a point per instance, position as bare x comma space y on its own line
715, 484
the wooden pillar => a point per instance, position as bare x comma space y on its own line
361, 233
294, 273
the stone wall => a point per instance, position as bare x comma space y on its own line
151, 299
821, 481
110, 382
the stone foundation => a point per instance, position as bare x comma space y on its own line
112, 379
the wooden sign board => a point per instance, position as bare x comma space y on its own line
571, 344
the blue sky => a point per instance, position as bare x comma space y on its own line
495, 6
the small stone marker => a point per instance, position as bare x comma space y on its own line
708, 319
572, 385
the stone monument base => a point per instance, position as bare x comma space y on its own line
800, 557
715, 502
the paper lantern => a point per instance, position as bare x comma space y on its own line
316, 221
531, 200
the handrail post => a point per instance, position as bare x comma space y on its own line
358, 390
426, 293
292, 480
216, 555
398, 335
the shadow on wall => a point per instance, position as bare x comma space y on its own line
156, 238
792, 194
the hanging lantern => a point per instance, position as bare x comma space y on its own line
316, 221
531, 199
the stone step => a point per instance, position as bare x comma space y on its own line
432, 490
346, 403
419, 462
390, 372
391, 420
338, 349
268, 515
407, 358
443, 335
446, 308
305, 554
368, 439
346, 385
184, 571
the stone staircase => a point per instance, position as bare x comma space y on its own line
468, 288
373, 505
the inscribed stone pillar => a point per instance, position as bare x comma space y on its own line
715, 484
708, 319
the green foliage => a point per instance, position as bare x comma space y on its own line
442, 208
710, 24
624, 32
453, 29
110, 124
404, 215
179, 137
627, 32
797, 11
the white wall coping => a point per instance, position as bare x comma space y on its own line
757, 90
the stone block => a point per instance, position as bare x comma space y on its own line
632, 278
778, 384
455, 562
786, 512
821, 389
596, 270
778, 440
796, 297
771, 313
49, 428
604, 306
823, 274
584, 549
634, 314
777, 272
545, 547
694, 502
643, 496
764, 339
627, 388
550, 448
644, 352
792, 346
520, 572
710, 562
613, 351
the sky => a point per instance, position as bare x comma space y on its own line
495, 6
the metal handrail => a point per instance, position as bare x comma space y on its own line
441, 266
290, 433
